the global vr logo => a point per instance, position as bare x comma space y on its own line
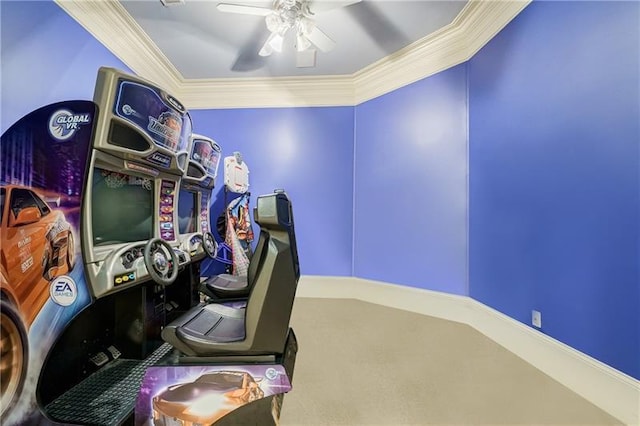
63, 123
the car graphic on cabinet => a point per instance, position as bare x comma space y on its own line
206, 399
36, 245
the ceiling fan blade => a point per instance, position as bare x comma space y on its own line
245, 10
320, 39
381, 30
247, 59
319, 6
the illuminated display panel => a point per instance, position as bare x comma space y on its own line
207, 156
155, 112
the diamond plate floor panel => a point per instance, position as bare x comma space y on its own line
108, 396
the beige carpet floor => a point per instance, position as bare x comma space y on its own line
365, 364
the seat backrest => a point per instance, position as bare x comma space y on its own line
276, 276
258, 257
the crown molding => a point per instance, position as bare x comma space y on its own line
268, 92
478, 22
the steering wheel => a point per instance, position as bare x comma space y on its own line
161, 261
210, 245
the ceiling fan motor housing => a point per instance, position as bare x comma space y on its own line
291, 11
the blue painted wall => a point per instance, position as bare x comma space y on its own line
45, 57
411, 185
309, 153
554, 163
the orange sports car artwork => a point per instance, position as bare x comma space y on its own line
36, 245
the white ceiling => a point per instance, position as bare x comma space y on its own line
203, 42
209, 60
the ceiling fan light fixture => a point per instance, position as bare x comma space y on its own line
276, 42
274, 22
302, 42
266, 50
273, 44
306, 26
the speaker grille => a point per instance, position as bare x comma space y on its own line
126, 137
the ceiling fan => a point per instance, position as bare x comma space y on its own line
295, 16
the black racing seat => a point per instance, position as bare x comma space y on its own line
225, 286
262, 327
234, 287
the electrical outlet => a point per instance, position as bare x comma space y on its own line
536, 319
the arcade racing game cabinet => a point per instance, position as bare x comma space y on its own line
236, 230
111, 356
194, 198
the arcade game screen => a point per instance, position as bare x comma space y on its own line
121, 208
187, 212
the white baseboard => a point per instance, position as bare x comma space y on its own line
613, 391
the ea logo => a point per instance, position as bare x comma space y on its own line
63, 123
63, 290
